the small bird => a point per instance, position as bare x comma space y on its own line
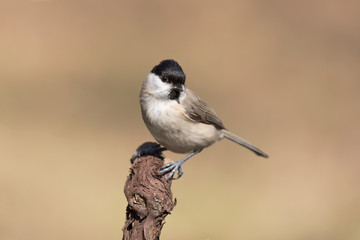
178, 119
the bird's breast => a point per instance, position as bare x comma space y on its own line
169, 125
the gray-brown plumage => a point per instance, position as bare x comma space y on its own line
199, 111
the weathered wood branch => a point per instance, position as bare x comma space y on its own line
149, 197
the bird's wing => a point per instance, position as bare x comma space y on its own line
198, 111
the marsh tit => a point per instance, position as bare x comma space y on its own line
178, 119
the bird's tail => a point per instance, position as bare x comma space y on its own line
243, 142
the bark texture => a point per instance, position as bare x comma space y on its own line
149, 199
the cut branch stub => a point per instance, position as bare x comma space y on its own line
149, 199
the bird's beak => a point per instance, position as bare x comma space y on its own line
179, 87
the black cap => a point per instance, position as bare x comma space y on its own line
169, 71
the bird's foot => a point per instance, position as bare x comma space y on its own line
148, 148
172, 167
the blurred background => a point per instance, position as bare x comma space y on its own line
283, 74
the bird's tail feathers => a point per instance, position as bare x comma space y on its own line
243, 142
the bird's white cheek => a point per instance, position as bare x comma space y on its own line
158, 87
154, 83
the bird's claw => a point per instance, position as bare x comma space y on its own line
172, 167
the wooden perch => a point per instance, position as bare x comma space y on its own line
149, 197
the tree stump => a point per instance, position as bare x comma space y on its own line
149, 197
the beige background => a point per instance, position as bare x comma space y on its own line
283, 74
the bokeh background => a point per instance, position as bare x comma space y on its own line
283, 74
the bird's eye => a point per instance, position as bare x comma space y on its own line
164, 78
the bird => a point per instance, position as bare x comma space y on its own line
178, 119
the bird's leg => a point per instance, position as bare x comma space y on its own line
148, 148
176, 166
